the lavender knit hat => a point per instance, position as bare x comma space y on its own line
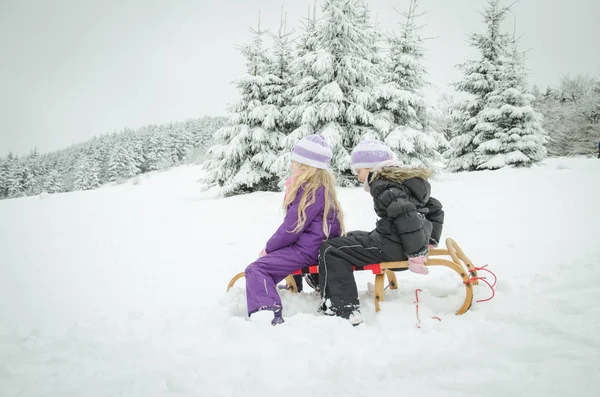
312, 151
369, 153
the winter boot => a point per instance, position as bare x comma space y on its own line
277, 313
323, 309
313, 281
355, 318
277, 316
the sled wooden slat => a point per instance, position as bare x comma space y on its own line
234, 279
458, 255
431, 261
386, 269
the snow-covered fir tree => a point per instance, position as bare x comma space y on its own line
179, 142
163, 145
403, 118
246, 149
102, 149
53, 182
121, 163
279, 93
334, 99
4, 177
514, 132
279, 67
481, 78
34, 169
16, 175
443, 115
87, 174
569, 117
537, 94
202, 131
590, 109
304, 82
154, 149
136, 147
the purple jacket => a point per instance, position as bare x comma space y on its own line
308, 240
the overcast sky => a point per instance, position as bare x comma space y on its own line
72, 69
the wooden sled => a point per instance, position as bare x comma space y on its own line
457, 261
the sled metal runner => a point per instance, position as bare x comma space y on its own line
452, 257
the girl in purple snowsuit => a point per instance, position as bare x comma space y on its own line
313, 215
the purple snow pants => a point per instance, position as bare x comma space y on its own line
263, 275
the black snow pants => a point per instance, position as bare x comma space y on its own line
339, 293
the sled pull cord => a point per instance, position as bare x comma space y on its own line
417, 308
485, 281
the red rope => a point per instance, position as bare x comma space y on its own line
489, 285
485, 281
417, 308
475, 269
487, 270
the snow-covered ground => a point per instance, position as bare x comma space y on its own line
120, 291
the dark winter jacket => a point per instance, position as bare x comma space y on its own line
409, 218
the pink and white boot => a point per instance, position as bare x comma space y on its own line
417, 265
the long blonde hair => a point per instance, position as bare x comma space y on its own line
312, 178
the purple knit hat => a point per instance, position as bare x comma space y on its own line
369, 153
312, 151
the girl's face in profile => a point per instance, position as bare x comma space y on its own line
362, 174
296, 167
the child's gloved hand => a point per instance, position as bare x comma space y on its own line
262, 253
432, 244
417, 265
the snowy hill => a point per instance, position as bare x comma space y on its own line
120, 291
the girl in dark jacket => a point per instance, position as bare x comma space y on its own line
410, 223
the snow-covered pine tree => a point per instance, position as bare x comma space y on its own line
202, 131
377, 38
16, 176
481, 77
304, 81
151, 149
515, 136
279, 67
31, 183
443, 115
102, 148
53, 181
537, 94
33, 169
136, 146
334, 97
590, 109
169, 145
157, 150
278, 92
569, 117
246, 149
180, 143
3, 177
67, 163
121, 163
86, 177
403, 119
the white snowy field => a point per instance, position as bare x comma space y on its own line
121, 292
